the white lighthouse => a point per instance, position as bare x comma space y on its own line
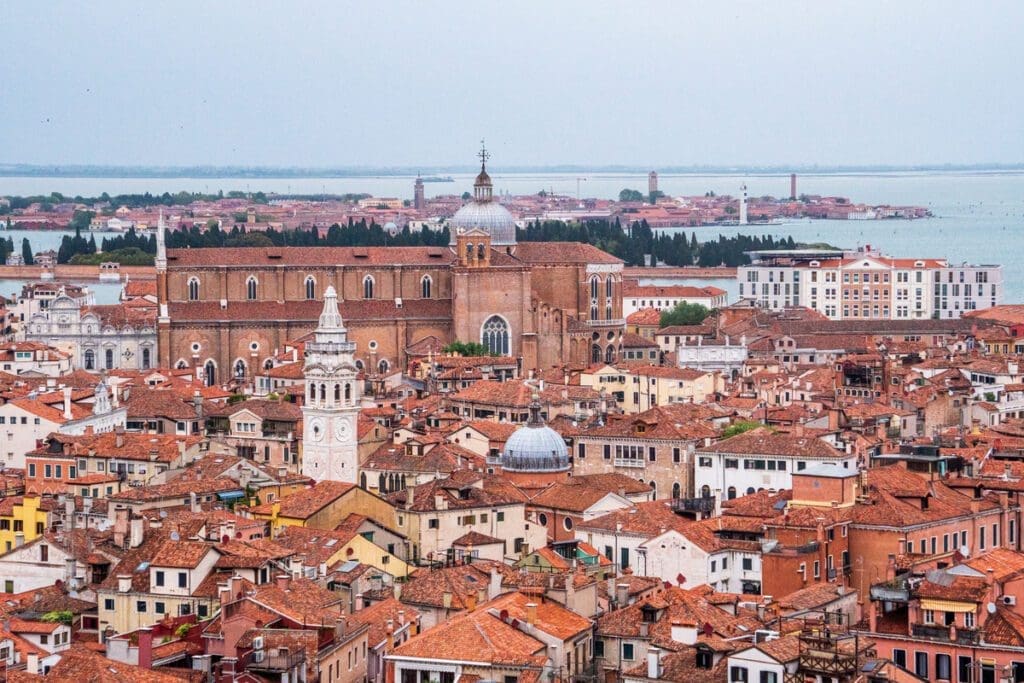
330, 440
743, 204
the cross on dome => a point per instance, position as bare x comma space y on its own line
484, 155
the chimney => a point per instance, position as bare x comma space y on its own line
115, 397
67, 404
621, 594
531, 613
19, 539
135, 531
654, 663
684, 632
890, 568
401, 616
494, 584
446, 599
283, 581
120, 526
146, 648
990, 576
197, 403
193, 502
32, 663
119, 437
69, 573
124, 583
410, 496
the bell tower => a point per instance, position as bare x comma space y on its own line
330, 437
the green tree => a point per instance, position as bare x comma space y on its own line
684, 313
467, 349
739, 427
628, 195
26, 252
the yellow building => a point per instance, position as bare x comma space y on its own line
22, 519
351, 543
638, 387
324, 506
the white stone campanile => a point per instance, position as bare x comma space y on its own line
330, 439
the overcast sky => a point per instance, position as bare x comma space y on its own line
551, 82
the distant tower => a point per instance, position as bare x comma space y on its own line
161, 268
743, 204
792, 185
329, 440
652, 182
418, 202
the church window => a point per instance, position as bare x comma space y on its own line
383, 366
109, 357
595, 354
268, 364
239, 368
608, 311
425, 286
495, 335
609, 354
181, 364
323, 392
593, 311
210, 373
337, 393
608, 288
193, 289
594, 286
348, 392
312, 392
368, 287
90, 359
310, 287
480, 251
250, 289
146, 360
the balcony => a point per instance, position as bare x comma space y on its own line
964, 636
264, 661
629, 462
614, 322
891, 591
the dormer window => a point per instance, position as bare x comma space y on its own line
650, 614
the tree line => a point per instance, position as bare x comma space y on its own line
354, 234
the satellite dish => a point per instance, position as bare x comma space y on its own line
163, 514
175, 536
991, 607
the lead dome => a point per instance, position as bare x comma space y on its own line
535, 447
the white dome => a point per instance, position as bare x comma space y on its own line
489, 216
535, 447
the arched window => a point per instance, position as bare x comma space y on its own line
676, 490
239, 369
731, 494
382, 483
383, 366
210, 373
705, 491
654, 490
480, 251
310, 287
362, 481
250, 288
146, 359
312, 392
609, 354
181, 364
268, 363
425, 286
594, 286
109, 358
337, 393
323, 392
90, 359
495, 335
608, 311
595, 354
593, 311
608, 288
348, 391
193, 289
750, 490
368, 287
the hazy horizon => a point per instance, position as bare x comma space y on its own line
734, 85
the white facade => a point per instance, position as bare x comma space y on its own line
858, 285
757, 666
29, 567
726, 358
729, 475
330, 440
92, 342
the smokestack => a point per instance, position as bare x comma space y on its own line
792, 186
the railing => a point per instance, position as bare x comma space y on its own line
528, 464
892, 591
628, 462
614, 322
827, 663
275, 662
964, 636
703, 504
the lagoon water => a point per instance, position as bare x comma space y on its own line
979, 216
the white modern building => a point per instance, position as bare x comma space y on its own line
867, 285
663, 298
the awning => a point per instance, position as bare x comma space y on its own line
231, 495
947, 606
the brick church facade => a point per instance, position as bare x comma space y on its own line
228, 311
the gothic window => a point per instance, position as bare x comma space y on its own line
268, 364
382, 483
383, 366
362, 481
146, 360
210, 373
495, 335
90, 359
609, 354
109, 359
193, 289
348, 392
181, 364
239, 369
676, 490
705, 491
595, 354
594, 285
368, 287
593, 311
608, 288
250, 289
608, 312
310, 287
425, 286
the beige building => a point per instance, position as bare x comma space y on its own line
637, 388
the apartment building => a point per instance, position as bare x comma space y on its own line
865, 284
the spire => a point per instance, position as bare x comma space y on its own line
330, 317
484, 156
161, 248
482, 189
